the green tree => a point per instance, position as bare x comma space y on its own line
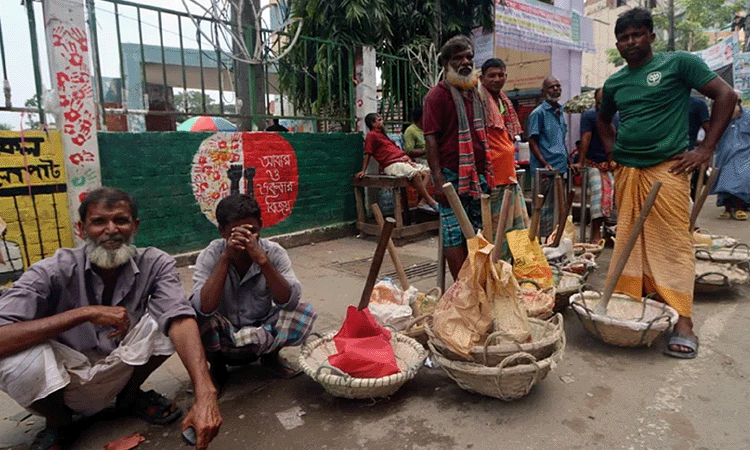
192, 104
33, 122
309, 70
693, 19
5, 127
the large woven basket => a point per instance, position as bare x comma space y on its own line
638, 330
546, 337
712, 276
568, 283
539, 302
739, 253
410, 356
583, 247
512, 379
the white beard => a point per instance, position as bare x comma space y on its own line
109, 259
463, 82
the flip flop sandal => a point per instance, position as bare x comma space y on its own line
49, 439
725, 215
276, 366
684, 341
739, 215
154, 408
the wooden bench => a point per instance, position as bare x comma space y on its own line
397, 185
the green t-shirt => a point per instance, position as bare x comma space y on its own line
653, 104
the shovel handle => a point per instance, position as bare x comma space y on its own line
563, 219
534, 227
391, 249
486, 204
625, 254
701, 198
463, 220
377, 261
500, 232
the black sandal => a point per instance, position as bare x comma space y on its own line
154, 408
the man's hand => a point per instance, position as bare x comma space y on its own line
248, 237
205, 418
115, 316
360, 175
576, 168
689, 161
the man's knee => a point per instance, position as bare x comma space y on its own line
32, 374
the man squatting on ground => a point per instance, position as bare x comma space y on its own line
652, 94
393, 161
502, 127
246, 294
104, 299
453, 124
594, 159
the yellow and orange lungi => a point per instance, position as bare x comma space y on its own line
662, 260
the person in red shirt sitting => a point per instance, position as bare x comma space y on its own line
393, 161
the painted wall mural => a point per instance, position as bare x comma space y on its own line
263, 165
33, 200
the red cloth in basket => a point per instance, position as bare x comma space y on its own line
364, 347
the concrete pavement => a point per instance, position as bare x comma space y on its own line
599, 396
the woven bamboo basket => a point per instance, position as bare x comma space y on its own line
422, 307
410, 356
630, 323
539, 303
510, 380
568, 283
546, 337
583, 247
713, 276
740, 253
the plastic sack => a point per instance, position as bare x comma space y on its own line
485, 294
390, 305
364, 347
528, 260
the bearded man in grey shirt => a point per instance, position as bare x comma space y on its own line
88, 325
246, 294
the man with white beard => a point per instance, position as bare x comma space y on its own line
87, 326
547, 131
456, 143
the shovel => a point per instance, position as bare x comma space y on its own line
500, 233
701, 198
463, 220
486, 215
377, 261
534, 227
601, 307
391, 249
563, 219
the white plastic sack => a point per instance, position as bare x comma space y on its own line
390, 305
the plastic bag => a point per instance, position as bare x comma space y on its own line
528, 260
485, 294
390, 305
364, 347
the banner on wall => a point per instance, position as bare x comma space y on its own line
33, 199
530, 25
742, 76
720, 55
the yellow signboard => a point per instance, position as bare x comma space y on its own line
33, 199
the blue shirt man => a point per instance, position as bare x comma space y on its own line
547, 131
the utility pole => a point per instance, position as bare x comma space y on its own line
670, 40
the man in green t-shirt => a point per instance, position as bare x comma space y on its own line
652, 94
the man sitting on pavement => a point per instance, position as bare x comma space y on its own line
246, 294
393, 161
89, 325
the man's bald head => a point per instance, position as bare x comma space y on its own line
551, 89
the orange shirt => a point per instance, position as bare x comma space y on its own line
502, 154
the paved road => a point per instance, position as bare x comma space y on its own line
599, 396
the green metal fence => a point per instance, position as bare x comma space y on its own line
401, 91
156, 64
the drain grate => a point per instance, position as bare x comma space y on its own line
417, 271
416, 268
